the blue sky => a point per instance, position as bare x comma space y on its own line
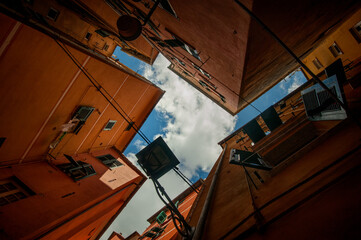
191, 125
156, 123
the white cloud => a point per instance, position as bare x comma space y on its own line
292, 82
194, 126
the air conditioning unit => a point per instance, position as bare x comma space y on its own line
319, 105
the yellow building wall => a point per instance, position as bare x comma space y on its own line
345, 40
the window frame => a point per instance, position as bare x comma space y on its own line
317, 63
335, 49
70, 170
57, 13
355, 32
19, 187
111, 163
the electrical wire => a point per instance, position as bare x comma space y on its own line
184, 177
172, 211
99, 88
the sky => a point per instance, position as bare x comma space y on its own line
191, 125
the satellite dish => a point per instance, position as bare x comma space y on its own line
129, 28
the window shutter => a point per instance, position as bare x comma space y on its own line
319, 104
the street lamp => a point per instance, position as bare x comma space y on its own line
156, 159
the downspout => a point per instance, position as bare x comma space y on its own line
203, 217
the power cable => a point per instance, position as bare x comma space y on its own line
93, 82
79, 64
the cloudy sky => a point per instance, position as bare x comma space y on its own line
191, 125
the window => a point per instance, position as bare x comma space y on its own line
202, 71
88, 36
177, 42
318, 103
106, 47
53, 14
77, 170
179, 61
80, 116
248, 159
166, 6
83, 112
2, 140
162, 216
13, 190
335, 50
109, 161
356, 32
102, 32
109, 125
317, 63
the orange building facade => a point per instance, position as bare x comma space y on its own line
298, 178
161, 224
342, 42
91, 24
67, 114
218, 49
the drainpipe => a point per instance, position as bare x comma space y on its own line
203, 217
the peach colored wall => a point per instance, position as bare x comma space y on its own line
51, 205
43, 88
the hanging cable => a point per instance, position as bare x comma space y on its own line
99, 87
173, 212
187, 180
96, 82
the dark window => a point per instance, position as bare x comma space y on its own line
102, 32
106, 47
77, 170
109, 125
83, 112
167, 6
174, 43
109, 161
319, 105
13, 190
335, 50
88, 36
202, 71
317, 63
254, 131
161, 217
177, 42
271, 118
179, 61
53, 14
2, 140
356, 32
248, 159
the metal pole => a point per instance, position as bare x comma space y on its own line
203, 217
315, 78
151, 12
